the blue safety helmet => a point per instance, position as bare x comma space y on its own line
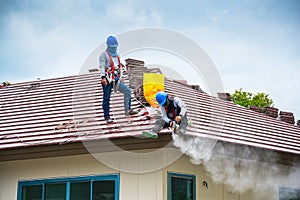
112, 41
161, 98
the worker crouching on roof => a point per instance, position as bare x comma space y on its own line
111, 78
173, 114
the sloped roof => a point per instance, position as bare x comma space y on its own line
61, 110
69, 110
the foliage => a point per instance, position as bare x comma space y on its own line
247, 99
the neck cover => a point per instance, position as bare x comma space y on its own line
112, 50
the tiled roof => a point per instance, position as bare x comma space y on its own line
61, 110
69, 110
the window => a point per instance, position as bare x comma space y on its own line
181, 186
105, 187
289, 194
55, 191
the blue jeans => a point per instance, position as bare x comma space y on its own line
106, 97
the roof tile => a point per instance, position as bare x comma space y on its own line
69, 109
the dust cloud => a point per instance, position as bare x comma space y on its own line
239, 167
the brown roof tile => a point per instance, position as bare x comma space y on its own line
68, 109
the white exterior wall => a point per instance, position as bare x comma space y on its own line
214, 192
13, 171
146, 186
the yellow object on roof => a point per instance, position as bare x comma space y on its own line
152, 83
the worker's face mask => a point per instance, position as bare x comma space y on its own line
112, 50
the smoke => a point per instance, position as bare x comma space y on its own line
239, 167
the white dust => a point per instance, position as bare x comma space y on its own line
239, 167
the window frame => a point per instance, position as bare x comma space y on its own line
67, 181
180, 175
287, 190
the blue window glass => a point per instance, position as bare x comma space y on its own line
32, 192
181, 186
55, 191
289, 193
103, 190
74, 188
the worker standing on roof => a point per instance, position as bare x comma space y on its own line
111, 78
173, 114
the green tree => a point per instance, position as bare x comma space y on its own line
241, 97
261, 100
247, 99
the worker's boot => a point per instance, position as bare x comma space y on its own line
131, 112
109, 121
150, 134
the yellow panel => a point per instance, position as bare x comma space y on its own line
152, 83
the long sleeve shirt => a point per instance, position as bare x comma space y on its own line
104, 63
178, 103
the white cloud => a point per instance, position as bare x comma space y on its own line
55, 39
260, 63
128, 15
214, 18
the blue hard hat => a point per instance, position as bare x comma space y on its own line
161, 98
112, 41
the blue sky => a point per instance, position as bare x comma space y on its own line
254, 44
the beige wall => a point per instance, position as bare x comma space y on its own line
213, 192
13, 171
133, 186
